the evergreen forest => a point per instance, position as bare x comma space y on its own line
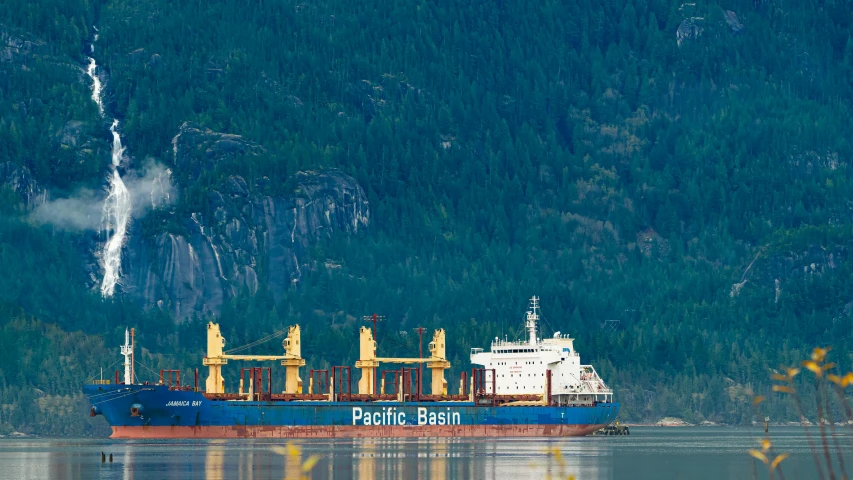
673, 180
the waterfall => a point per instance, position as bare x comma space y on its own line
115, 216
118, 149
96, 83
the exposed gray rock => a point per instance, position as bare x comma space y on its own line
194, 147
21, 181
137, 55
175, 275
702, 20
848, 309
15, 47
30, 107
732, 21
775, 269
237, 186
371, 96
812, 162
71, 133
690, 28
813, 261
295, 101
243, 234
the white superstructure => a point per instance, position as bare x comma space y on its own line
521, 367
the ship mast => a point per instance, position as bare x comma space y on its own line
532, 317
127, 351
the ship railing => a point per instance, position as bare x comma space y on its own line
592, 388
589, 372
583, 399
592, 384
507, 343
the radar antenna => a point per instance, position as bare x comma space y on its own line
532, 318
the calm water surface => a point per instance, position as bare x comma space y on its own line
649, 453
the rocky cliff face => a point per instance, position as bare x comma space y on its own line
781, 270
21, 181
18, 48
246, 238
701, 17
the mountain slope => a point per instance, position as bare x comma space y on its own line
683, 169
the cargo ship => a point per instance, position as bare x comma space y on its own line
529, 388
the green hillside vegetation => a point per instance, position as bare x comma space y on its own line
569, 150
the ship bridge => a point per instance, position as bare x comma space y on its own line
532, 366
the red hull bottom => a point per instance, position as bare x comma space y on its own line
353, 431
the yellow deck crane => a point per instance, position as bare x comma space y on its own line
215, 359
368, 362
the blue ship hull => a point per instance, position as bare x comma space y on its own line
155, 411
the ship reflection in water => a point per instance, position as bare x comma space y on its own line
648, 454
433, 459
440, 459
393, 458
